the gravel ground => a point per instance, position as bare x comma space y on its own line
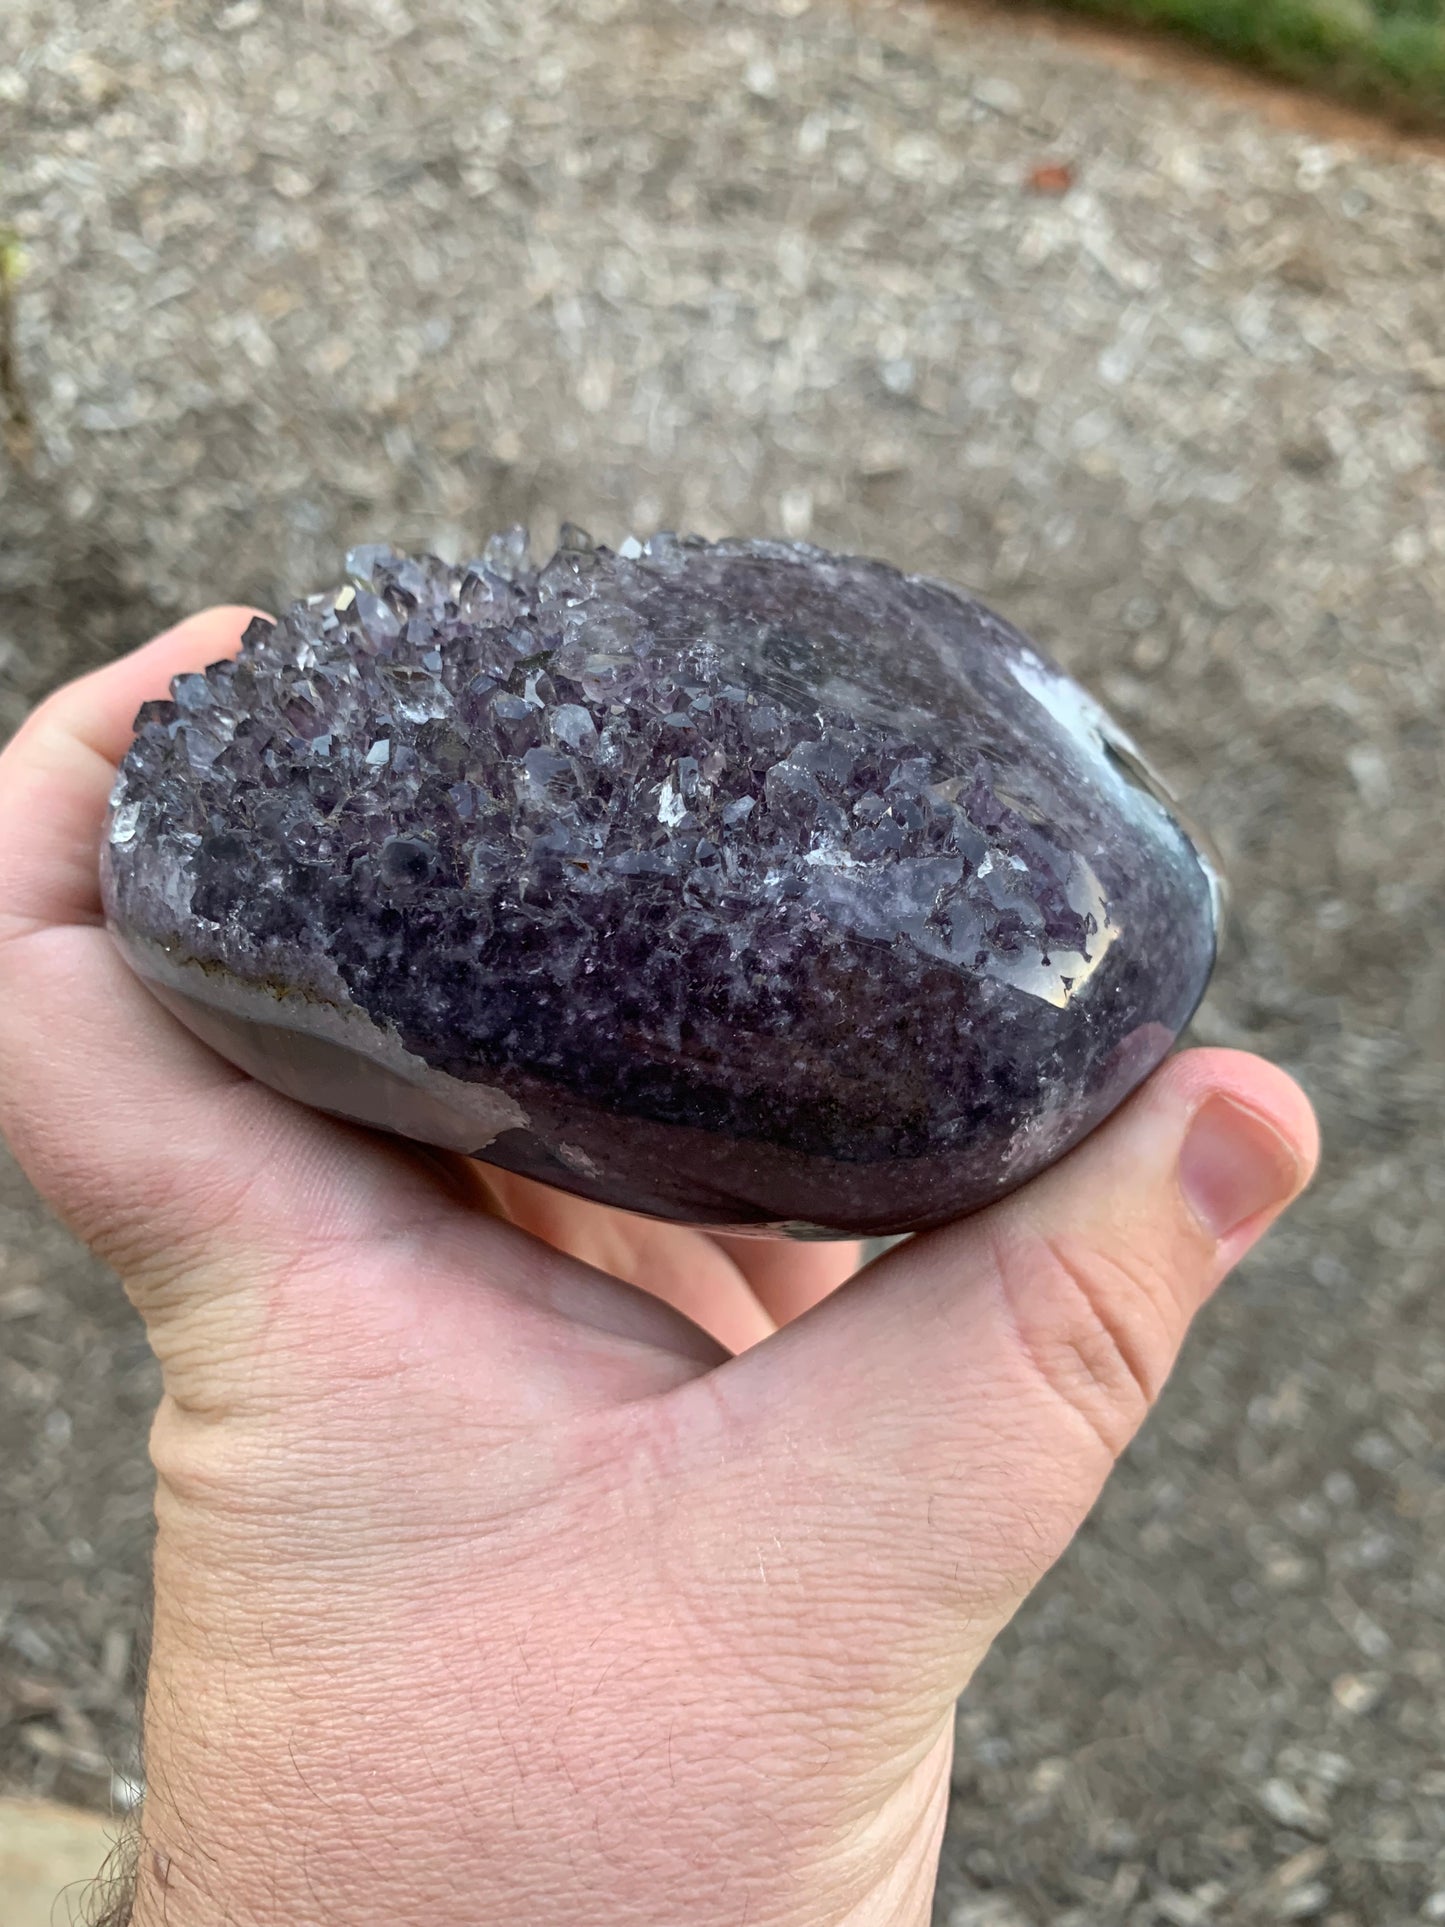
300, 275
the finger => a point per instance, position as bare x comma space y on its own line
739, 1289
789, 1278
975, 1386
57, 772
683, 1267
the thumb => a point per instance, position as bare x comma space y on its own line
970, 1391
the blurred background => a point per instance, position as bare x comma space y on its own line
1153, 360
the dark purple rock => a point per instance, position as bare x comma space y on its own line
741, 883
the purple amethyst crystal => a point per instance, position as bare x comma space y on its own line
737, 883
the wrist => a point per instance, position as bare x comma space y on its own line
278, 1784
276, 1793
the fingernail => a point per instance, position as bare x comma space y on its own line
1234, 1165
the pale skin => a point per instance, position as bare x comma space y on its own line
530, 1564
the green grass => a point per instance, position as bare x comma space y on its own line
1385, 54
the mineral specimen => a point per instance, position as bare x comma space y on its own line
737, 883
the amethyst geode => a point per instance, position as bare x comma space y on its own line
738, 883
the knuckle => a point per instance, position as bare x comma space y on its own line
1099, 1329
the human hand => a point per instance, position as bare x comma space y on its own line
530, 1564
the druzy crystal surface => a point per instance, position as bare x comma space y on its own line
737, 883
